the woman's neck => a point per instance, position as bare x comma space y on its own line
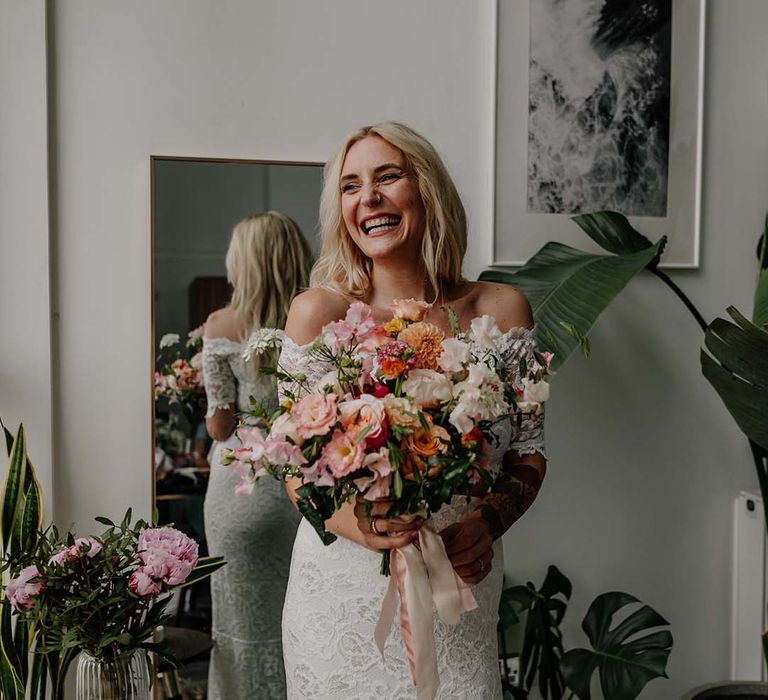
399, 281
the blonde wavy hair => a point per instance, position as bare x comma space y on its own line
343, 267
268, 262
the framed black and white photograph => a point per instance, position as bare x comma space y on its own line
598, 106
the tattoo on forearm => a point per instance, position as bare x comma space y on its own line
511, 495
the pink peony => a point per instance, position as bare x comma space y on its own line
83, 545
410, 309
143, 584
158, 540
343, 454
20, 591
314, 415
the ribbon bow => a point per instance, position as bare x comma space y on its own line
422, 576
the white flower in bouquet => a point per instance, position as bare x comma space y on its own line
262, 340
169, 340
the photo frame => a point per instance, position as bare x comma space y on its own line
519, 232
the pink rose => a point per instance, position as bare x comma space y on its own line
410, 309
428, 388
343, 454
20, 591
143, 584
366, 412
314, 415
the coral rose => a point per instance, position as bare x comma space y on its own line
314, 415
410, 309
420, 446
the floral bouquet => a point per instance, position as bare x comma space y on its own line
180, 378
403, 413
102, 595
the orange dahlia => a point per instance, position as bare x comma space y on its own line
425, 339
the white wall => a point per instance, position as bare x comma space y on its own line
644, 459
25, 308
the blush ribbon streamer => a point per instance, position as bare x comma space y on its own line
422, 578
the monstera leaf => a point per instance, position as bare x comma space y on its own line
760, 313
543, 643
738, 370
568, 289
626, 661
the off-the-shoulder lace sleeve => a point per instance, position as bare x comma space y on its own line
296, 361
517, 344
220, 383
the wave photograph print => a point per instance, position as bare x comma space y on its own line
599, 106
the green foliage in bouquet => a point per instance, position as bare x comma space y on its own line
625, 658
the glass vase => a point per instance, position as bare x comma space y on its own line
125, 677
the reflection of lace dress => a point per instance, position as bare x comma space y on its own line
335, 593
254, 534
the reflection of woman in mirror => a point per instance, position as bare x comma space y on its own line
267, 263
393, 226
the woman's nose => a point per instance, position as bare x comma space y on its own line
371, 195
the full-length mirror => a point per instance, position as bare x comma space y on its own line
216, 224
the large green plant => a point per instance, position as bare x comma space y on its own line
627, 655
568, 290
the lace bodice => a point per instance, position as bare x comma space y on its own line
228, 382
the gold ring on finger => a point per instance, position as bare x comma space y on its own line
372, 525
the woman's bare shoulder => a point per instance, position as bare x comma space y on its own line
313, 309
508, 305
222, 323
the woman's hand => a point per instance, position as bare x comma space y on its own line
469, 546
380, 532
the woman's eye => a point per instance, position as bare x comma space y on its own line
349, 187
389, 177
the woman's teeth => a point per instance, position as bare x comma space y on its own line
379, 224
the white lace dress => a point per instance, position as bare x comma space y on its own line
335, 593
255, 535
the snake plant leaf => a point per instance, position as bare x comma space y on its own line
738, 370
13, 488
612, 232
760, 312
565, 285
11, 685
626, 662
